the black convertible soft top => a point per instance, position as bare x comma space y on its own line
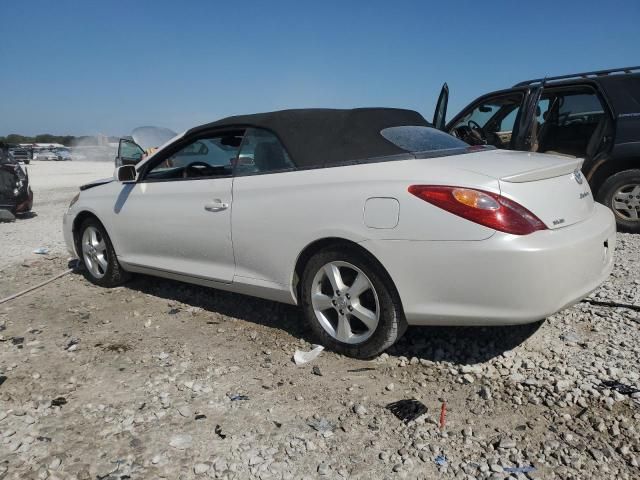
316, 137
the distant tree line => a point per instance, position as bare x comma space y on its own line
67, 140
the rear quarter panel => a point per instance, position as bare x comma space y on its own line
275, 216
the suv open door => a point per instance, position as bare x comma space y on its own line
440, 113
129, 152
526, 135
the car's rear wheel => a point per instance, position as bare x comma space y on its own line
98, 256
621, 193
351, 304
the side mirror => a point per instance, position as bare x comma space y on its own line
126, 174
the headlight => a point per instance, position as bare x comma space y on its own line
15, 192
74, 200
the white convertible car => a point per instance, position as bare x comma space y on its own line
369, 219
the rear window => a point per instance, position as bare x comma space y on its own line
421, 139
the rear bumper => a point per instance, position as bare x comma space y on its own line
505, 279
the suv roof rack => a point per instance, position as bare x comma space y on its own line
596, 73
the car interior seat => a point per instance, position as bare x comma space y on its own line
269, 156
596, 137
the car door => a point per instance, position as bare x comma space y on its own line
129, 152
440, 112
490, 119
262, 192
526, 130
177, 216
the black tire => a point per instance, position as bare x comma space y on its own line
391, 324
114, 275
609, 189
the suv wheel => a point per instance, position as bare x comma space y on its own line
351, 304
98, 256
621, 193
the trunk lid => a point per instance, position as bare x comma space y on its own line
550, 186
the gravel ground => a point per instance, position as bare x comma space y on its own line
54, 184
160, 379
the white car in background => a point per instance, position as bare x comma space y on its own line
45, 155
369, 219
62, 154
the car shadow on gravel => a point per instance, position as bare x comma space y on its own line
26, 216
251, 309
462, 345
458, 345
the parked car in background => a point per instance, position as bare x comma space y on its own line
15, 192
45, 155
369, 219
18, 154
62, 154
590, 115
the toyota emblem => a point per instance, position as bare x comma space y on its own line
577, 174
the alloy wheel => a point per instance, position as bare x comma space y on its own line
626, 202
94, 252
345, 302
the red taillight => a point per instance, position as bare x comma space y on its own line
486, 208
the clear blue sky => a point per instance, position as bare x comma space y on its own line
87, 67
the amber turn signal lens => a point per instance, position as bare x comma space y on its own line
475, 199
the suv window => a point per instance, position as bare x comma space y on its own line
262, 152
491, 121
212, 156
568, 120
129, 150
580, 108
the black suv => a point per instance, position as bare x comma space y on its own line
592, 115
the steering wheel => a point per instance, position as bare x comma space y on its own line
196, 169
477, 132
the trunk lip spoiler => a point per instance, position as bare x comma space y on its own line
557, 170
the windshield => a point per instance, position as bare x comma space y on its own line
421, 139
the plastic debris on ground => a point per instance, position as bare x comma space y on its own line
321, 425
300, 357
407, 410
58, 402
41, 251
234, 397
441, 460
443, 416
527, 469
621, 388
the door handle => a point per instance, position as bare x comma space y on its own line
216, 206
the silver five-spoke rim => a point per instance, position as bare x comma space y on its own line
94, 252
345, 302
626, 202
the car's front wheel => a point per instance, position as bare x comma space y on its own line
98, 256
621, 193
351, 303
